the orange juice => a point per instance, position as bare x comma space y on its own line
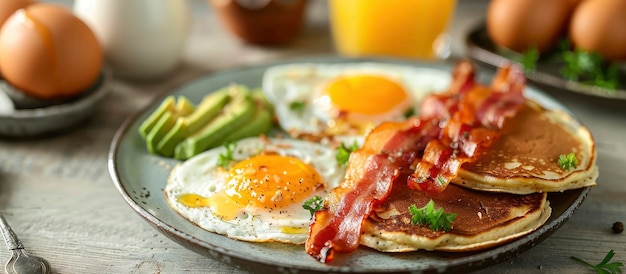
403, 28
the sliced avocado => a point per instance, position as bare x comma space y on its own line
207, 110
235, 114
175, 135
160, 129
147, 125
257, 94
167, 113
260, 123
210, 106
183, 106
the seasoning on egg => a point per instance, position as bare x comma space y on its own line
47, 52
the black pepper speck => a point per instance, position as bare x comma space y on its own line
618, 227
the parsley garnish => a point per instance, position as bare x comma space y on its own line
343, 153
297, 106
568, 161
409, 112
604, 266
529, 59
436, 219
588, 67
314, 204
225, 158
441, 181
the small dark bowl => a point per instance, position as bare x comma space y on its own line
34, 118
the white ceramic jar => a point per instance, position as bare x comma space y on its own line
141, 38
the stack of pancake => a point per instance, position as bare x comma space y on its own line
500, 196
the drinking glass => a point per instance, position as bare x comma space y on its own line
399, 28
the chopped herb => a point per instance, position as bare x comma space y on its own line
604, 266
297, 106
589, 68
529, 59
343, 153
441, 181
568, 161
607, 80
436, 219
409, 112
225, 158
578, 62
584, 67
314, 204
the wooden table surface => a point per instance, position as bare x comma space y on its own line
57, 194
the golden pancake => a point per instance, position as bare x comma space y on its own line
484, 219
524, 158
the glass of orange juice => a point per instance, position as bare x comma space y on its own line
400, 28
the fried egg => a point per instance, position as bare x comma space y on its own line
346, 99
259, 195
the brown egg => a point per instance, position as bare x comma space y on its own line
600, 26
47, 52
8, 7
522, 24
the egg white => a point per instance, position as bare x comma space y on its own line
286, 84
201, 175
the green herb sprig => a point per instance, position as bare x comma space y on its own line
529, 59
604, 266
297, 106
313, 205
568, 161
441, 181
435, 219
409, 112
225, 158
343, 153
588, 68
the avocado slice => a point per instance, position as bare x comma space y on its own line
184, 107
207, 110
163, 125
260, 123
167, 113
235, 114
257, 94
166, 105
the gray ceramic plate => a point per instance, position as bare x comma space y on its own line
39, 121
140, 178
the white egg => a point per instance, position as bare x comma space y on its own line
346, 99
260, 196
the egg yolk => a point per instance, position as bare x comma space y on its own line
365, 94
271, 181
263, 181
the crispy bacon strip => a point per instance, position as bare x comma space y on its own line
387, 153
388, 150
448, 127
473, 124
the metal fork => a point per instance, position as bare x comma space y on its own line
21, 262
